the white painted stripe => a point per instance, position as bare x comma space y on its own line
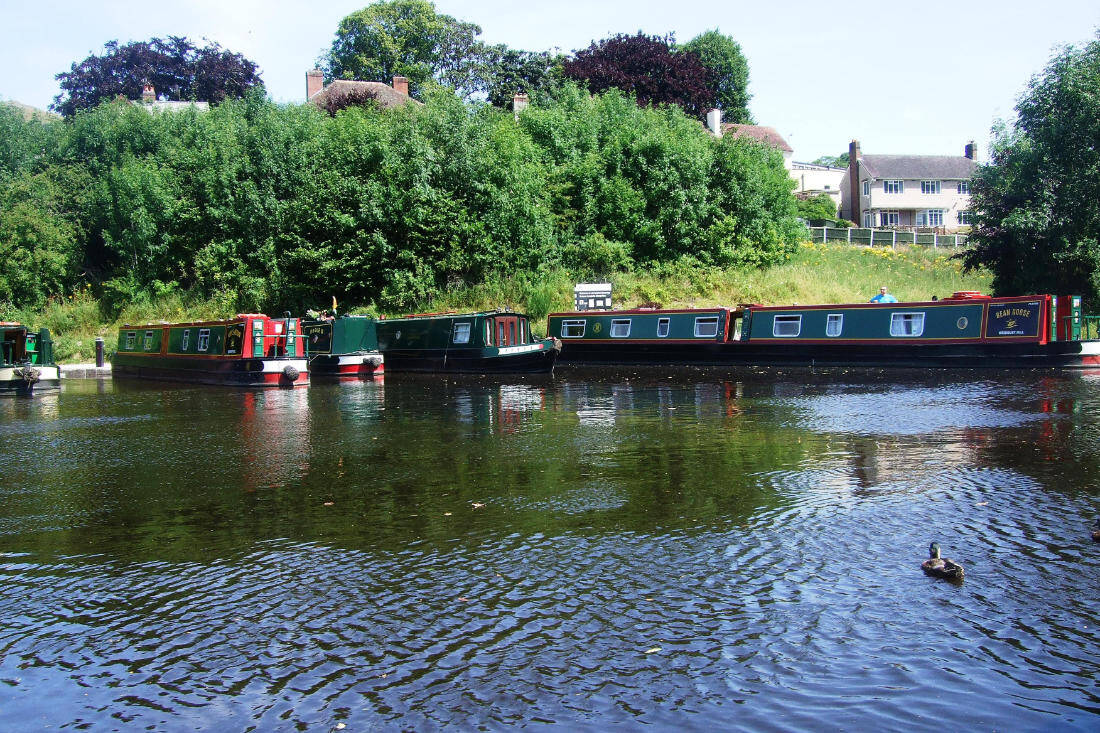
1090, 347
51, 372
272, 366
519, 349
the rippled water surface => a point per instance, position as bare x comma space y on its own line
689, 550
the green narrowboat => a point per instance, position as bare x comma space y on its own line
250, 350
26, 360
965, 330
345, 347
489, 342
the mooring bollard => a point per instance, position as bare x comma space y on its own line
99, 351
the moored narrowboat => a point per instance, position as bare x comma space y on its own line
345, 347
250, 350
965, 330
26, 360
489, 342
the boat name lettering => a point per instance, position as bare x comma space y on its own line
1006, 312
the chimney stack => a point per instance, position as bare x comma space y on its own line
148, 93
519, 103
854, 190
971, 150
315, 82
401, 84
714, 122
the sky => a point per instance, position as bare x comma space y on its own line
901, 77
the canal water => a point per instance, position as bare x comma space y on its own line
669, 550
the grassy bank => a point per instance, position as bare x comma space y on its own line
821, 273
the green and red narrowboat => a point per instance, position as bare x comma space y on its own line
250, 350
966, 330
26, 360
489, 342
345, 347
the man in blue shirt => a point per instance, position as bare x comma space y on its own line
883, 296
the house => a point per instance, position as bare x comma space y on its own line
386, 96
150, 102
759, 133
812, 179
916, 191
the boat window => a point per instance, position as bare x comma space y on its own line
148, 341
662, 327
131, 338
737, 328
834, 324
185, 339
572, 329
488, 333
501, 334
906, 324
787, 326
511, 332
462, 333
706, 327
620, 328
204, 339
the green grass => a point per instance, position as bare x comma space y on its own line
815, 273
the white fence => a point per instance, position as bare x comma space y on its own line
892, 237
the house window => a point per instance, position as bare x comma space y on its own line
834, 324
461, 333
572, 329
204, 339
929, 186
893, 187
906, 324
620, 328
148, 342
662, 327
964, 218
866, 188
131, 338
185, 339
889, 218
963, 187
935, 217
866, 218
786, 326
706, 327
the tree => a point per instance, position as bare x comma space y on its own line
816, 207
507, 71
729, 73
833, 161
647, 67
1037, 224
174, 66
404, 38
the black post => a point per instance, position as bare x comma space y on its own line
99, 351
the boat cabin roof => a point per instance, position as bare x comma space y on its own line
185, 324
452, 314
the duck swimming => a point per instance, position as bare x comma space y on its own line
941, 567
1096, 532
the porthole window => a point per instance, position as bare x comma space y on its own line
962, 323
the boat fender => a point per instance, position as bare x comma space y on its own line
290, 372
557, 344
372, 361
30, 375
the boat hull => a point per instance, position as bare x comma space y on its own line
360, 365
1062, 354
527, 359
225, 371
12, 381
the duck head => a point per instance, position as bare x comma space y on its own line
934, 551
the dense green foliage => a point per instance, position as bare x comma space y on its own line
820, 206
833, 161
1038, 222
265, 206
729, 73
175, 66
404, 38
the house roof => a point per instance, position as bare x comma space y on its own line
919, 166
759, 133
386, 96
